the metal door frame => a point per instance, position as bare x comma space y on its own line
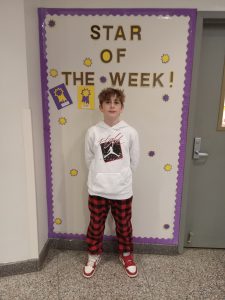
202, 18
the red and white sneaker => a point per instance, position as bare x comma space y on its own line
129, 265
91, 265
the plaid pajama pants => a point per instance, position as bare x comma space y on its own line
121, 212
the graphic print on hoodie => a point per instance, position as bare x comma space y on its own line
111, 148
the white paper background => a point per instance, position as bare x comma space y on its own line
158, 122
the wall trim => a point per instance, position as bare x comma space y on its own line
43, 254
20, 267
27, 266
111, 246
34, 265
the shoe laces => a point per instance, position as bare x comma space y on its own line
129, 261
92, 260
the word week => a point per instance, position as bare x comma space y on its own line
117, 78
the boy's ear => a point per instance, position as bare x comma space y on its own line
100, 107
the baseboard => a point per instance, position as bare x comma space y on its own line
43, 254
111, 246
16, 268
34, 265
27, 266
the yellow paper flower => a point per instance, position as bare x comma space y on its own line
73, 172
53, 73
58, 221
168, 167
62, 121
87, 62
165, 58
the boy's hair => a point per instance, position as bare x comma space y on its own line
107, 93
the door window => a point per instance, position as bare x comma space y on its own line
221, 119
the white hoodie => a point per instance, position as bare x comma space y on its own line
111, 154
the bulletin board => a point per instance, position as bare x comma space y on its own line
147, 53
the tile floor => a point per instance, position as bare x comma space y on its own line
196, 274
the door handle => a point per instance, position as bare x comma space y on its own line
197, 146
190, 236
200, 154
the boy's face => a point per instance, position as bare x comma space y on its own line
111, 109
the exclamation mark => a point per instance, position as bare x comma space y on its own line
171, 79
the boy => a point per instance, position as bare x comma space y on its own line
111, 153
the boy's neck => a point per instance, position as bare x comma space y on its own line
111, 122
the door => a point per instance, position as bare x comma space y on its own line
205, 225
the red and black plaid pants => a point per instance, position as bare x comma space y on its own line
121, 212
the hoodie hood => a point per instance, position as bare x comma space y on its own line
120, 125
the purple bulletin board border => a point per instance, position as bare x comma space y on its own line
191, 13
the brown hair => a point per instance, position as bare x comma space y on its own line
107, 93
